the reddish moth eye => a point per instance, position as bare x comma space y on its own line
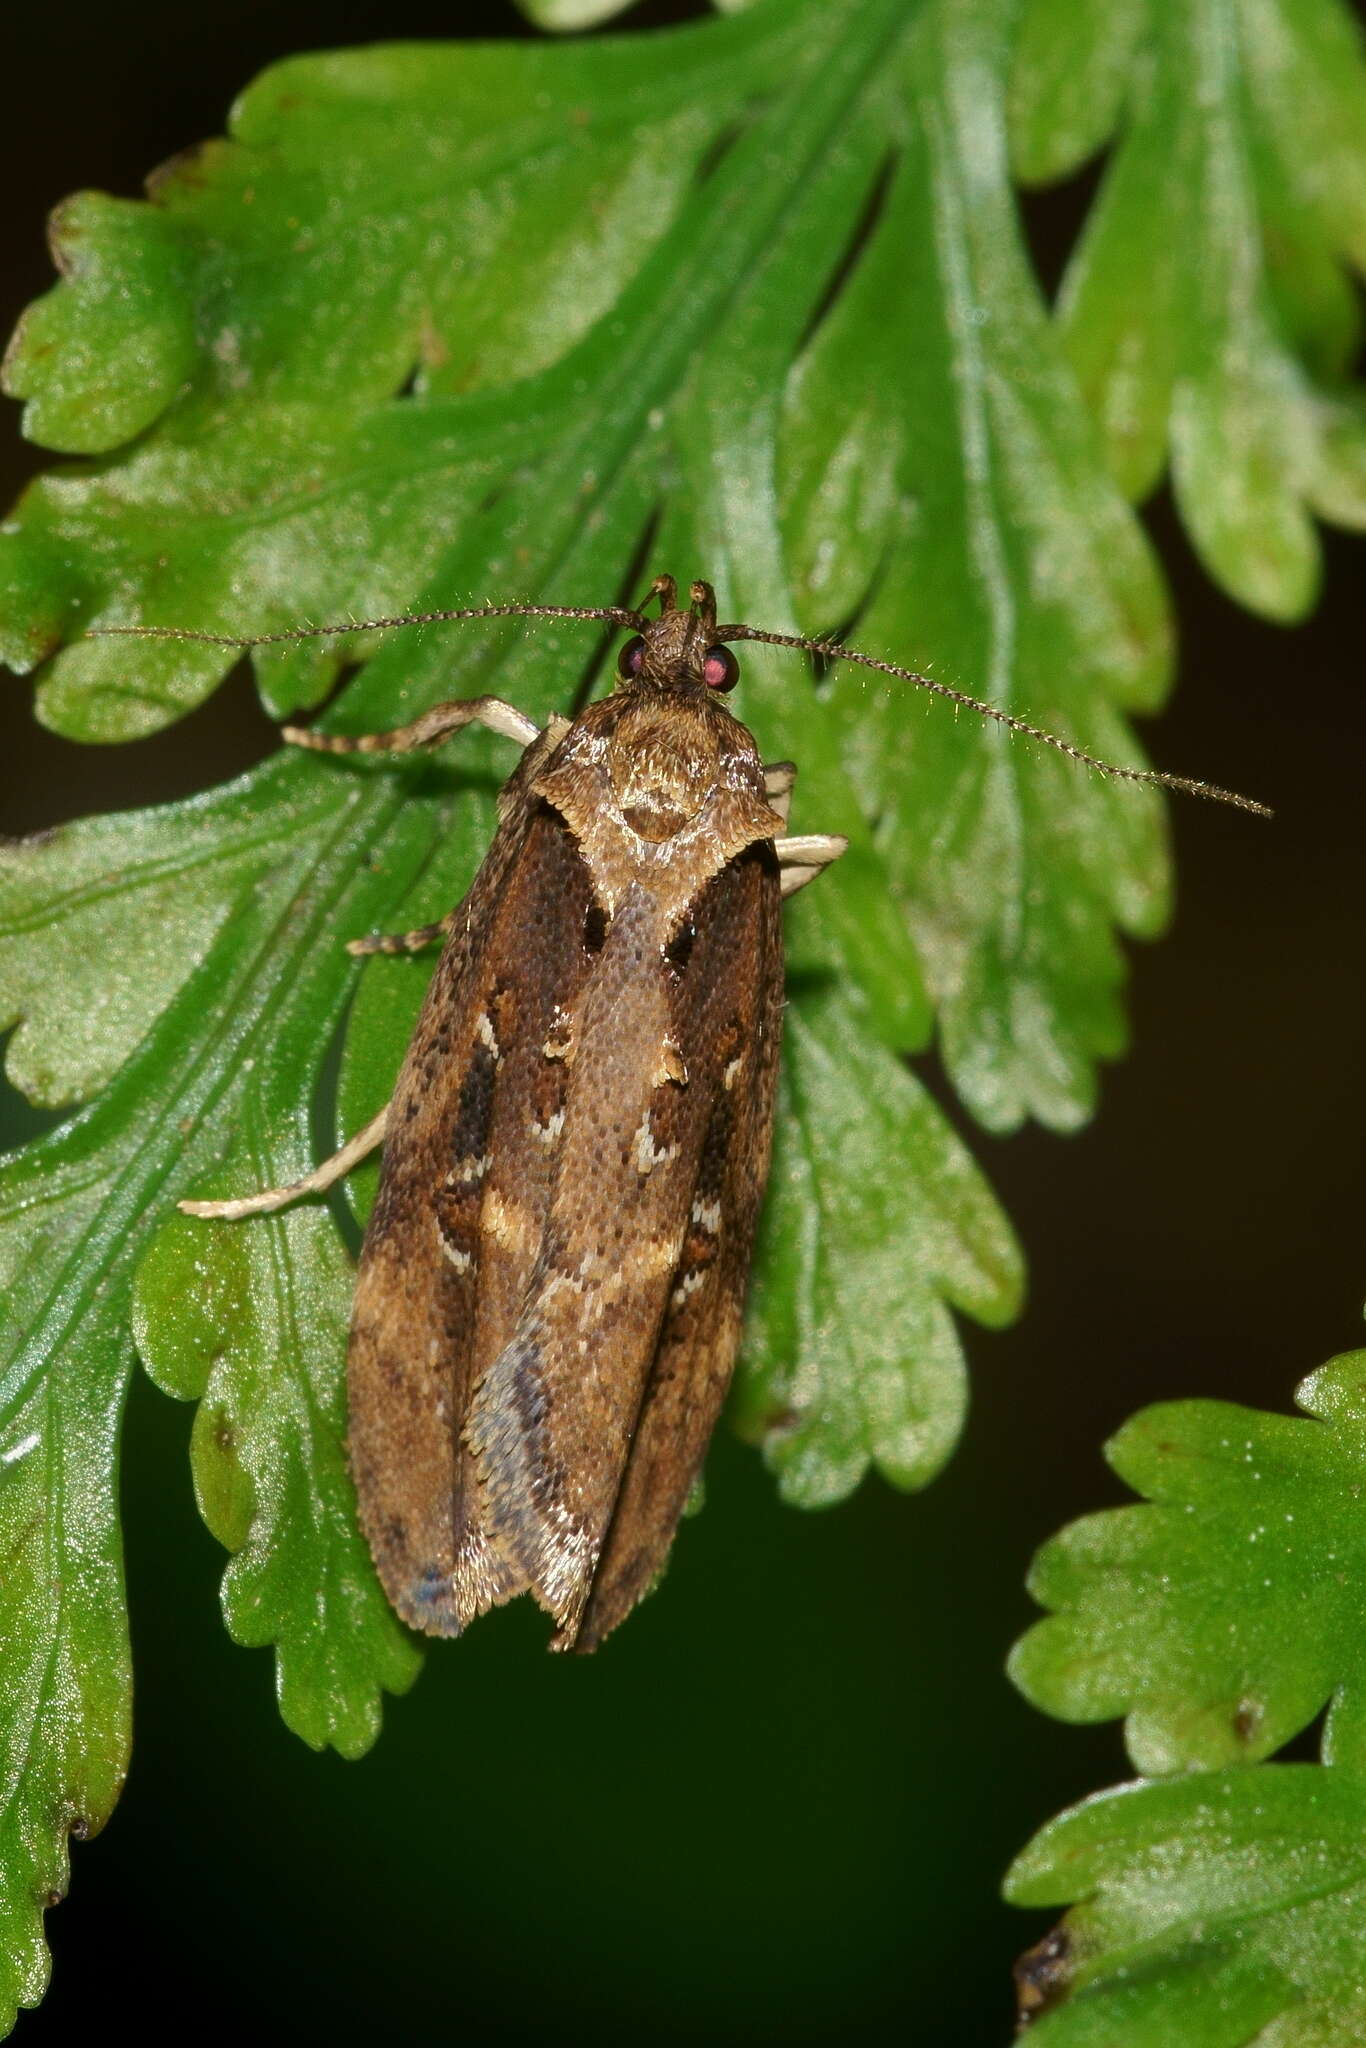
631, 657
720, 669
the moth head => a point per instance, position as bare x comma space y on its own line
679, 649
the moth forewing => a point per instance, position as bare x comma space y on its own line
638, 1213
463, 1194
728, 1017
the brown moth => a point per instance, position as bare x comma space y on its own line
552, 1282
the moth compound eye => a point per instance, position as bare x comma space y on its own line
630, 658
720, 669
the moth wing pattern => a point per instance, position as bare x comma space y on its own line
433, 1281
690, 1374
556, 1418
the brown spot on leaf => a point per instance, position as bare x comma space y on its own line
184, 169
64, 234
1043, 1976
778, 1420
1247, 1719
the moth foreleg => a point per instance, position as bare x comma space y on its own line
804, 856
779, 777
315, 1183
400, 942
434, 725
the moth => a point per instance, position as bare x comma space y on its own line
551, 1286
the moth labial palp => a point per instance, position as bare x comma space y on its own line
551, 1284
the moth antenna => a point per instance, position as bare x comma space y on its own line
611, 615
831, 650
665, 589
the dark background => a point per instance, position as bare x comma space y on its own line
780, 1803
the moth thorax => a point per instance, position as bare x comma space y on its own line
661, 776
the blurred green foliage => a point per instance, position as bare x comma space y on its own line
1220, 1617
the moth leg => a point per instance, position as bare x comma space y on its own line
779, 777
400, 942
323, 1177
434, 725
802, 857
